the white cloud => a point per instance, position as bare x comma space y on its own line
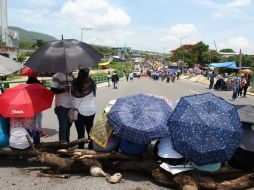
110, 38
179, 32
98, 14
238, 42
238, 3
183, 29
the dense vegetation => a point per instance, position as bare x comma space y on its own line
200, 54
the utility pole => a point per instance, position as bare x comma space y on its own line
215, 46
84, 29
240, 58
181, 38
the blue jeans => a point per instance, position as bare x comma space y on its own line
235, 92
35, 135
64, 123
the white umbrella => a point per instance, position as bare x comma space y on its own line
8, 66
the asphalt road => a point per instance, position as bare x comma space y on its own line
14, 174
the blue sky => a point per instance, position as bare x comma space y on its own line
141, 24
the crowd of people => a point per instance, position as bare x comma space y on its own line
238, 84
169, 75
70, 94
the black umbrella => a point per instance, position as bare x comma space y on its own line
63, 56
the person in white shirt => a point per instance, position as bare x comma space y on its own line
60, 85
83, 91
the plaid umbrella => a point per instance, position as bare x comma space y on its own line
140, 118
205, 128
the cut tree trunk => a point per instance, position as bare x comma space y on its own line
91, 154
194, 179
60, 144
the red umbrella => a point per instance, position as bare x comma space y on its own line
27, 71
25, 100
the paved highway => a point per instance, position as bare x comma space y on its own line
13, 175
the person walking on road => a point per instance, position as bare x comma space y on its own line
108, 78
235, 88
61, 87
131, 76
115, 79
212, 76
127, 76
242, 85
248, 79
83, 91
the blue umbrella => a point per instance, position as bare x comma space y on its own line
140, 118
205, 128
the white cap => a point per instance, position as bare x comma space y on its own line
18, 138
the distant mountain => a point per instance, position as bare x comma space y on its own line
30, 36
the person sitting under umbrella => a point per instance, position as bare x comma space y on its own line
19, 128
38, 117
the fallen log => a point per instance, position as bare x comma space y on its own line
91, 154
136, 165
194, 179
244, 182
7, 151
60, 144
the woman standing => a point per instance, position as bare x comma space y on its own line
83, 91
236, 84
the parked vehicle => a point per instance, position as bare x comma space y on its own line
136, 73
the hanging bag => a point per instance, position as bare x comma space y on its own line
73, 112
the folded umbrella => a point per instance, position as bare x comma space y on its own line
25, 100
63, 56
140, 118
205, 128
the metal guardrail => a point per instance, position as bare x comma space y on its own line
47, 83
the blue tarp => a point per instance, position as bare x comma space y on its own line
230, 65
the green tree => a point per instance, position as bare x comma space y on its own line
21, 57
39, 43
25, 45
227, 50
201, 52
2, 44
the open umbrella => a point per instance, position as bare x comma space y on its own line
246, 71
246, 113
140, 118
8, 66
63, 56
27, 71
25, 100
205, 128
